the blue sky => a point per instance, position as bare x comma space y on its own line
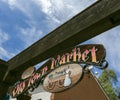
23, 22
110, 39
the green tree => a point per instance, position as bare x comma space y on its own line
108, 80
118, 92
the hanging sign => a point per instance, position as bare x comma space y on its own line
62, 78
88, 54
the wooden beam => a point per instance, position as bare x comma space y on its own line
3, 90
3, 69
3, 86
96, 19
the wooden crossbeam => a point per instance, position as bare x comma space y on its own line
3, 86
98, 18
3, 69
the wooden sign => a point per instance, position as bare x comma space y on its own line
62, 78
24, 85
88, 54
28, 72
93, 54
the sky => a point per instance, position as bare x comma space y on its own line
110, 39
23, 22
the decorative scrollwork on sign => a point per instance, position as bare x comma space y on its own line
103, 65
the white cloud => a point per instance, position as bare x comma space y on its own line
4, 54
30, 35
10, 2
3, 37
118, 79
24, 6
56, 11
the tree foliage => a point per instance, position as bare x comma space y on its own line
108, 80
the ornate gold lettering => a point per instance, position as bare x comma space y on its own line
93, 53
84, 55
